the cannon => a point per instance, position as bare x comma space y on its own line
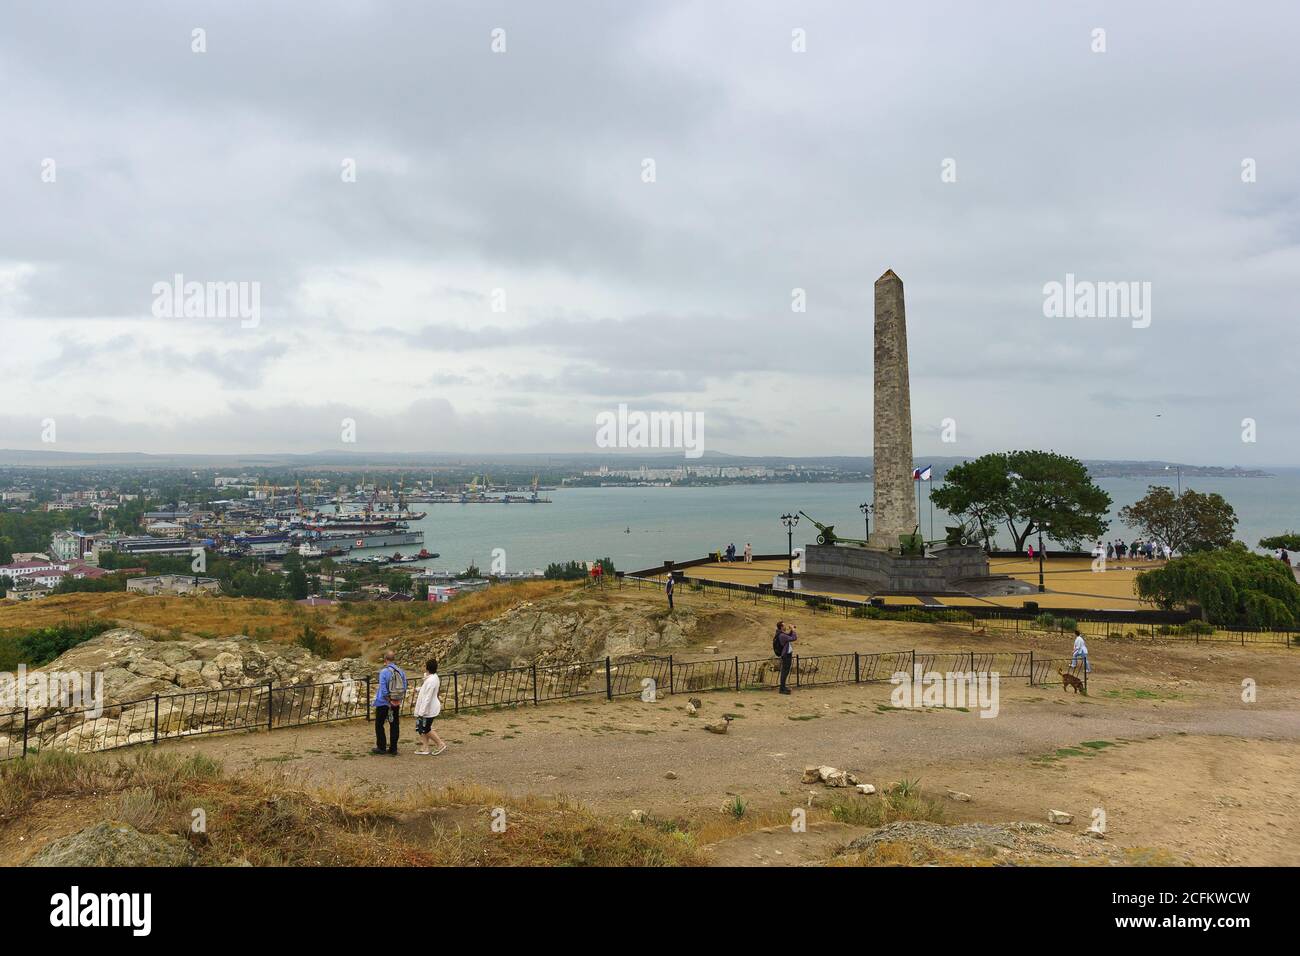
826, 533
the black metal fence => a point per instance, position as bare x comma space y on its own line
1164, 625
268, 707
1191, 633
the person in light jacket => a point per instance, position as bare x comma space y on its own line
1080, 653
427, 707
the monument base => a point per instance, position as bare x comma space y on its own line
957, 569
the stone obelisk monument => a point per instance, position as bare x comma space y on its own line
894, 504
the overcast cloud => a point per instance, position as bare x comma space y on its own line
521, 172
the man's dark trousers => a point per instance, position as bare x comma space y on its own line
786, 660
381, 717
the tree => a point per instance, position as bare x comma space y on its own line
1026, 491
1184, 523
1229, 585
296, 583
1281, 542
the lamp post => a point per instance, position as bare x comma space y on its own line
866, 513
789, 521
1180, 478
1041, 586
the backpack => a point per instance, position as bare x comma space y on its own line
394, 695
777, 649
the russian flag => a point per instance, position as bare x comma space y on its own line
921, 474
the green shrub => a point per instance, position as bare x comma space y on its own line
1231, 586
37, 648
317, 643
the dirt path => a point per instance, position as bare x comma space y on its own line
1211, 780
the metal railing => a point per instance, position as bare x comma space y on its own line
165, 717
1195, 633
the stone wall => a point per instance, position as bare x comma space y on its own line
939, 571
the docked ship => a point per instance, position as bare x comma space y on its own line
356, 540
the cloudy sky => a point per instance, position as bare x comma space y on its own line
500, 270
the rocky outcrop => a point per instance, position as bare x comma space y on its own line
556, 632
201, 685
136, 666
115, 844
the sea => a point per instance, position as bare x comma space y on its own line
643, 527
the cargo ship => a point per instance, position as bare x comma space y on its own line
355, 541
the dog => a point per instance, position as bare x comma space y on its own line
1070, 681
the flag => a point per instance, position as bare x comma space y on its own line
921, 474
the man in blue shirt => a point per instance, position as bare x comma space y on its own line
388, 702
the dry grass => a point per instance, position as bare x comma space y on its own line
899, 802
267, 820
354, 628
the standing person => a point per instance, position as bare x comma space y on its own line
1080, 650
1030, 551
388, 703
668, 589
1286, 558
427, 707
749, 553
786, 636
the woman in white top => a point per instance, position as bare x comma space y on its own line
427, 707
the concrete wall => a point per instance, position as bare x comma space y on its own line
881, 571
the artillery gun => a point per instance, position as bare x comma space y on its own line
826, 533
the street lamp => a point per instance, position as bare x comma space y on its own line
789, 521
1180, 478
1041, 586
866, 513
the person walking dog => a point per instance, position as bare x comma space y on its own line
1080, 651
388, 703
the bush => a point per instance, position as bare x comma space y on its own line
39, 647
1231, 586
318, 644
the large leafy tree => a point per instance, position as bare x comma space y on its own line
1229, 585
1026, 491
1186, 523
1290, 541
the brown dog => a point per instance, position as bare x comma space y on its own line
1069, 680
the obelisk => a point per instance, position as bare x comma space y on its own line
894, 504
